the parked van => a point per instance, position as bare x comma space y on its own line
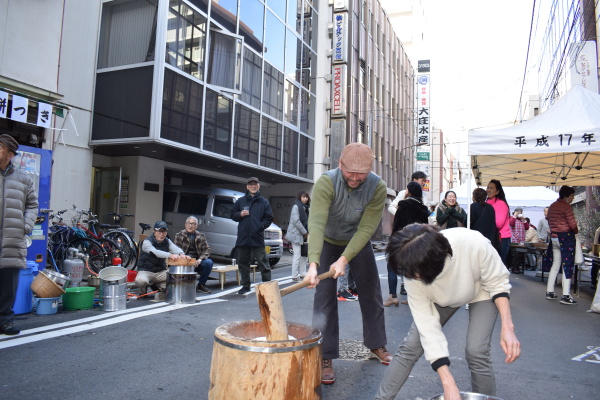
213, 207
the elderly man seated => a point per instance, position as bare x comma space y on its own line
152, 268
194, 244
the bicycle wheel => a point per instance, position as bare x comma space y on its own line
98, 258
111, 248
127, 247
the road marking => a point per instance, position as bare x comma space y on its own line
591, 356
98, 321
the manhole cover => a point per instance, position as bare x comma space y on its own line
353, 350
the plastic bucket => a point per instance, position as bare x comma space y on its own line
46, 306
34, 267
24, 298
113, 297
113, 275
78, 298
131, 274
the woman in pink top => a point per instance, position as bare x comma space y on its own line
497, 199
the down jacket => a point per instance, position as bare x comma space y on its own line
19, 206
251, 229
561, 218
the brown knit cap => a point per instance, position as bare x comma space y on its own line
357, 157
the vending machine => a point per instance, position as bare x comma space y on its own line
37, 163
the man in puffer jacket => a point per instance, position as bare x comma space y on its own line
253, 214
18, 207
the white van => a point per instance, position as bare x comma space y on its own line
213, 207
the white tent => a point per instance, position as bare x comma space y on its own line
558, 147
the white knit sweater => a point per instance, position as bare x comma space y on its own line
474, 273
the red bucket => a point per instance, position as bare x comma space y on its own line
131, 275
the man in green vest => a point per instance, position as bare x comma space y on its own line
346, 210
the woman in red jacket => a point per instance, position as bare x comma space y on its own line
563, 228
497, 199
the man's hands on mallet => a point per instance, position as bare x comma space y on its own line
339, 267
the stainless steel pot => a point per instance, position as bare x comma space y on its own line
181, 269
93, 280
60, 279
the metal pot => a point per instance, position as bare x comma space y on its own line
181, 269
468, 396
113, 275
93, 280
60, 279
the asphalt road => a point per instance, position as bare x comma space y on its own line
161, 351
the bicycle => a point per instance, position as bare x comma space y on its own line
62, 237
115, 242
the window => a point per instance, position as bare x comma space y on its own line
291, 101
290, 151
273, 92
182, 109
127, 33
225, 61
274, 41
306, 157
217, 123
186, 39
252, 15
193, 203
246, 132
252, 82
222, 206
270, 145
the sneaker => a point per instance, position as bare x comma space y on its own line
8, 329
203, 289
296, 279
551, 296
382, 355
244, 290
344, 295
327, 374
402, 290
353, 292
567, 299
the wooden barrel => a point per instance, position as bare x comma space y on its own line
243, 368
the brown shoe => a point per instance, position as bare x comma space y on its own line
327, 374
382, 355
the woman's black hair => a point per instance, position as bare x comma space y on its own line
303, 193
565, 191
418, 251
500, 194
479, 195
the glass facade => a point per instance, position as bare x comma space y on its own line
238, 78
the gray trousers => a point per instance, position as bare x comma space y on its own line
325, 307
482, 318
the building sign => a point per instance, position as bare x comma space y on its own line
19, 108
340, 5
340, 37
422, 156
338, 88
423, 66
337, 140
584, 65
423, 117
18, 111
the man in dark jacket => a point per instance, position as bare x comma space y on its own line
254, 214
152, 266
18, 210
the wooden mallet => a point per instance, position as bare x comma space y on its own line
271, 308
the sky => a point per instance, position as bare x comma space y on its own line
477, 50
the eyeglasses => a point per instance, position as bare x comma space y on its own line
191, 223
